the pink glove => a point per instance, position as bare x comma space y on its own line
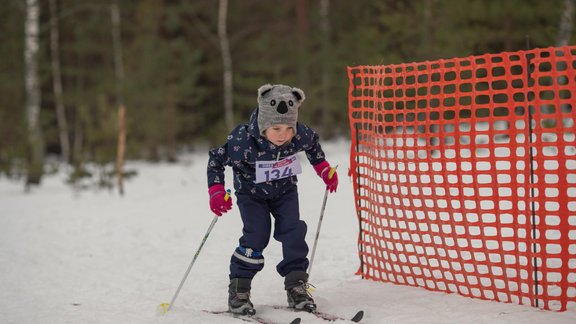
220, 200
330, 177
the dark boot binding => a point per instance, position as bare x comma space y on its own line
296, 285
239, 297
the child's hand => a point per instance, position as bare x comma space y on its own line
220, 200
328, 174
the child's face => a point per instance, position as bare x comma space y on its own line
279, 134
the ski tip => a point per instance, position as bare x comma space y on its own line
358, 317
297, 320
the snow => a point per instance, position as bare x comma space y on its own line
98, 257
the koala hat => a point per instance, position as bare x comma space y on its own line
278, 104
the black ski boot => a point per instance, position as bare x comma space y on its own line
296, 285
239, 297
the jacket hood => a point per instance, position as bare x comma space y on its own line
253, 128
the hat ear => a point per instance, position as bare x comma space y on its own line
299, 94
264, 89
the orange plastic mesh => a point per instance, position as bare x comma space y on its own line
465, 175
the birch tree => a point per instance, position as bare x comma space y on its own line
226, 63
57, 83
566, 23
33, 94
119, 73
302, 46
326, 77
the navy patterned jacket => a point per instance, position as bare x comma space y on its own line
245, 146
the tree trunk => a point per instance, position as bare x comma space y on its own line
326, 77
121, 149
117, 47
226, 64
78, 138
566, 23
427, 49
302, 51
119, 72
32, 86
57, 83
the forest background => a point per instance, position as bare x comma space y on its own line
184, 73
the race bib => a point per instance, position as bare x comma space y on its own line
274, 170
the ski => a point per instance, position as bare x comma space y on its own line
250, 318
326, 316
330, 317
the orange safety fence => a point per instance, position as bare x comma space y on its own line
465, 175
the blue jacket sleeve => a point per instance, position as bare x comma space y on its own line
311, 146
217, 161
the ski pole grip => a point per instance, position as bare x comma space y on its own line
227, 195
332, 171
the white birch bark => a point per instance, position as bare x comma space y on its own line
226, 63
326, 77
33, 94
566, 23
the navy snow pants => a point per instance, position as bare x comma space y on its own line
289, 230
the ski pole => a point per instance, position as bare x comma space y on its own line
332, 171
165, 307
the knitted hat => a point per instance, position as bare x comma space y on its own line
278, 104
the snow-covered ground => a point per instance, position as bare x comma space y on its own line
97, 257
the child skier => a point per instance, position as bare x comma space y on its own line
262, 155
